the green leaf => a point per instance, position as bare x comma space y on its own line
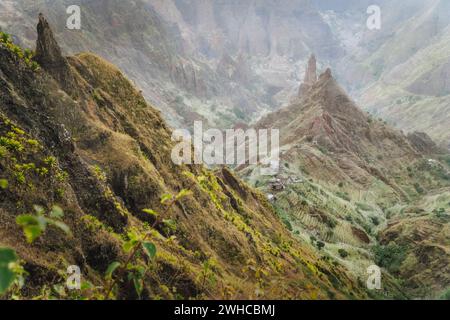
189, 175
166, 198
183, 193
39, 209
3, 183
138, 285
32, 233
61, 225
29, 220
129, 245
33, 226
57, 212
151, 212
171, 224
86, 285
7, 276
111, 268
150, 249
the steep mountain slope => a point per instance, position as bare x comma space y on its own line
345, 176
400, 71
421, 240
76, 133
360, 147
152, 52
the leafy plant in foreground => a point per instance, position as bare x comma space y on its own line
445, 295
137, 242
10, 270
35, 225
3, 183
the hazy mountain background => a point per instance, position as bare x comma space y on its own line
231, 61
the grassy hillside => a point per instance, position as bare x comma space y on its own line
347, 180
87, 180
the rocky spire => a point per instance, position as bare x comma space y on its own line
48, 52
49, 55
310, 75
311, 71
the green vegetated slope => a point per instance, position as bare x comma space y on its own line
361, 191
87, 180
154, 53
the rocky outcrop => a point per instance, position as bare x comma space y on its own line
310, 76
237, 70
48, 52
422, 142
327, 118
311, 71
50, 58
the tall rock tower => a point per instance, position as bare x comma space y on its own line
310, 75
50, 58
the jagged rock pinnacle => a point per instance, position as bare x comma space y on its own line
48, 52
50, 58
310, 75
311, 71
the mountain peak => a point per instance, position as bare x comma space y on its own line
48, 52
311, 71
326, 75
50, 57
310, 75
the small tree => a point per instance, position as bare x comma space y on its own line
320, 245
343, 253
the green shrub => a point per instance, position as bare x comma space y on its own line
375, 221
25, 55
446, 159
331, 223
419, 188
343, 195
343, 253
288, 224
320, 245
364, 206
439, 212
445, 295
390, 257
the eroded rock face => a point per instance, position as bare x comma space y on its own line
310, 76
422, 142
48, 52
311, 71
49, 56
